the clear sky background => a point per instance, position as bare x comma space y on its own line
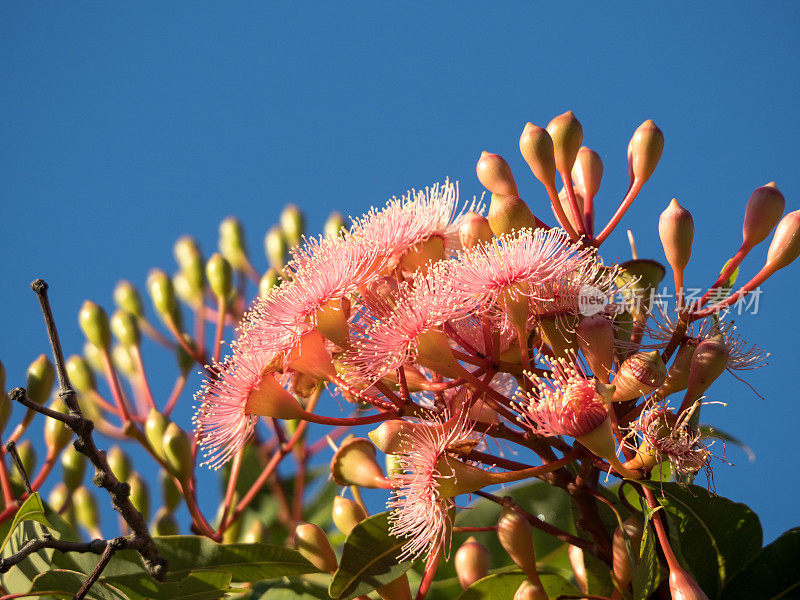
125, 125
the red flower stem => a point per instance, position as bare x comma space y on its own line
453, 334
136, 354
748, 287
154, 334
402, 383
558, 211
113, 384
431, 565
573, 204
394, 398
5, 482
588, 217
200, 327
222, 306
177, 390
661, 532
45, 470
230, 491
735, 261
633, 191
103, 403
474, 529
190, 496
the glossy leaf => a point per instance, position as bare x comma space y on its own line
31, 510
203, 585
503, 586
772, 574
60, 583
648, 571
369, 559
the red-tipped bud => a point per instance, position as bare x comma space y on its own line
762, 213
683, 587
354, 463
595, 336
678, 374
587, 172
313, 544
567, 135
676, 229
536, 147
346, 514
471, 562
530, 590
516, 537
633, 528
474, 230
785, 245
508, 214
495, 175
639, 375
708, 362
644, 151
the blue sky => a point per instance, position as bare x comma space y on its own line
124, 126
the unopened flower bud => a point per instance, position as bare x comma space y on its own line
56, 433
678, 373
474, 230
785, 245
119, 463
529, 590
164, 523
293, 224
125, 328
93, 356
276, 247
516, 537
73, 467
27, 455
762, 213
633, 528
346, 514
639, 375
178, 452
80, 374
354, 463
536, 147
86, 511
508, 214
336, 225
127, 298
683, 587
471, 562
190, 260
220, 276
389, 435
676, 229
708, 362
231, 242
140, 497
182, 357
162, 293
595, 336
644, 151
567, 135
256, 533
578, 567
495, 175
58, 497
123, 361
40, 378
268, 281
587, 172
94, 323
170, 493
185, 291
313, 544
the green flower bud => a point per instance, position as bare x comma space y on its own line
354, 463
119, 463
276, 247
178, 452
154, 428
508, 214
185, 291
346, 514
231, 242
220, 276
140, 497
86, 512
80, 374
268, 281
94, 356
123, 361
58, 497
567, 135
183, 358
495, 175
56, 434
125, 328
127, 298
163, 523
256, 533
73, 466
27, 455
336, 225
94, 324
293, 224
190, 260
536, 147
313, 544
169, 491
162, 293
41, 376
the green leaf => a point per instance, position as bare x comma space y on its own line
294, 590
772, 574
60, 583
503, 586
203, 585
19, 579
370, 558
31, 510
717, 536
708, 431
648, 571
